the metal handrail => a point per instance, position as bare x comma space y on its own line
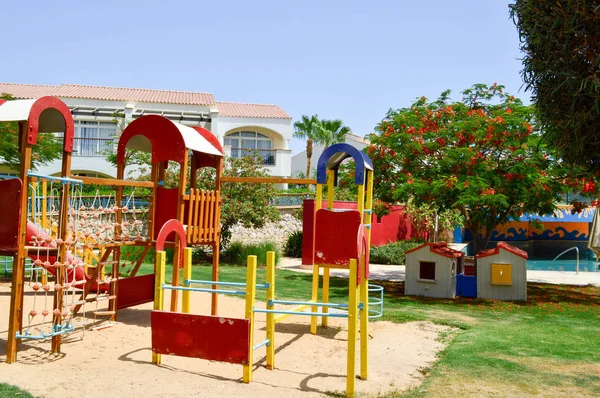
568, 250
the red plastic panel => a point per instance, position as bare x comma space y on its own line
164, 136
201, 336
166, 208
37, 112
135, 291
308, 231
10, 213
336, 236
204, 159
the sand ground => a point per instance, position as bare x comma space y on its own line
117, 360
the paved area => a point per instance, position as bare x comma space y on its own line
396, 273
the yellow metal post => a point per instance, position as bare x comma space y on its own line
361, 201
314, 297
319, 197
159, 296
270, 316
186, 296
330, 188
250, 296
34, 215
364, 323
352, 332
45, 222
315, 279
325, 319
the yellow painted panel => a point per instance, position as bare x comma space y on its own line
502, 274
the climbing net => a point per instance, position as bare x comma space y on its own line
89, 227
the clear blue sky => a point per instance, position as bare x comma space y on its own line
345, 59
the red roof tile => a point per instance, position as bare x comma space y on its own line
236, 109
440, 248
108, 93
505, 246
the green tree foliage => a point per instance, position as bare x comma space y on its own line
248, 203
315, 131
331, 132
307, 129
132, 157
423, 220
47, 149
560, 41
481, 157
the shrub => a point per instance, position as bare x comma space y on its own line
392, 253
293, 245
237, 253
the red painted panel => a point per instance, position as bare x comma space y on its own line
308, 231
336, 236
164, 136
10, 213
135, 291
36, 112
201, 336
166, 208
391, 228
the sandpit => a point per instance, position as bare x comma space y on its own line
117, 360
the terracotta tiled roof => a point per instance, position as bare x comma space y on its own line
108, 93
505, 246
236, 109
357, 138
440, 248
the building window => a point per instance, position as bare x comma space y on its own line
427, 270
251, 143
93, 138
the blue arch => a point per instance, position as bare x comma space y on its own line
334, 155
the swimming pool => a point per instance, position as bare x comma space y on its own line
562, 265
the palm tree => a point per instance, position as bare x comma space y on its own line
307, 129
331, 132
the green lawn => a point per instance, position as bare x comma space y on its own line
546, 346
11, 391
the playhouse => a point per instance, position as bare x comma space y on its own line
431, 270
502, 273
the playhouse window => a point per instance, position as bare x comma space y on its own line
427, 270
251, 143
501, 274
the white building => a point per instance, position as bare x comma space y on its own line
242, 128
299, 160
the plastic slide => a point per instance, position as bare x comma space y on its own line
35, 231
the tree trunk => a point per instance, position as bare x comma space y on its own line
309, 149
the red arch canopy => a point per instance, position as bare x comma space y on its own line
43, 115
167, 140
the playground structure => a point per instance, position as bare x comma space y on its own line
76, 244
76, 248
342, 242
227, 339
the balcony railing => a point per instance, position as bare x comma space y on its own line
92, 147
267, 155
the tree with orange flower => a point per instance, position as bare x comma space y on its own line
481, 156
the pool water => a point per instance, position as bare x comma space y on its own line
562, 265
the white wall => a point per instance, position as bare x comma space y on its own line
279, 130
